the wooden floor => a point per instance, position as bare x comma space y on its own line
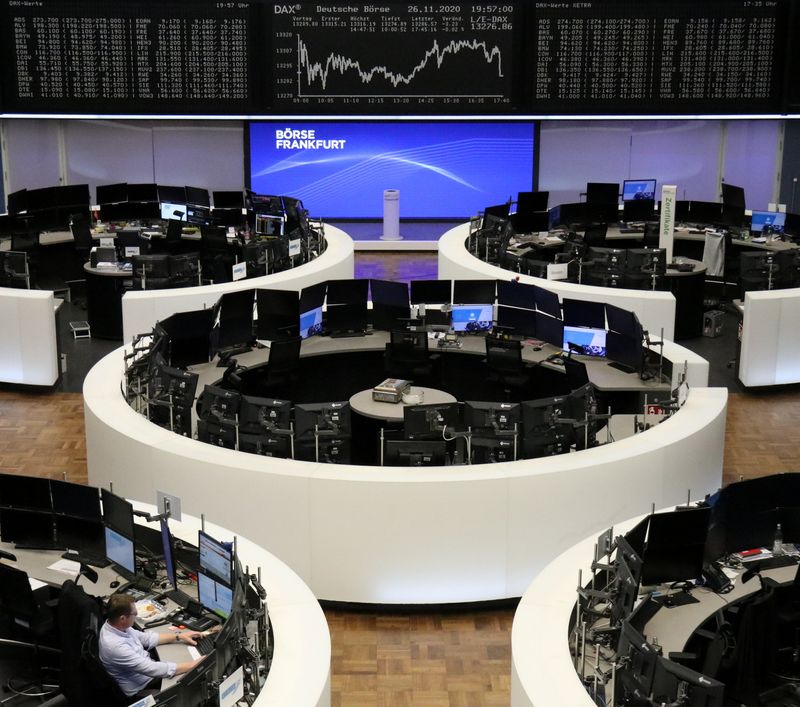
454, 659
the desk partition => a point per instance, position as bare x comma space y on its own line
28, 337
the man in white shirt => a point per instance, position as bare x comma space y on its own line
124, 649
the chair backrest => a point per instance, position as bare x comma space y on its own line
595, 234
82, 234
408, 343
284, 355
174, 231
504, 356
576, 373
16, 595
651, 235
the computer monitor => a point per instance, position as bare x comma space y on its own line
674, 683
403, 452
623, 321
430, 421
235, 323
638, 210
333, 418
311, 301
705, 212
646, 260
530, 221
500, 211
120, 551
549, 329
602, 192
638, 660
197, 196
733, 196
348, 292
472, 318
517, 321
390, 307
171, 211
638, 189
33, 527
214, 595
637, 535
625, 590
611, 259
584, 341
625, 350
774, 221
517, 294
347, 319
75, 500
266, 444
584, 313
216, 558
496, 417
188, 335
25, 492
465, 291
675, 546
117, 513
258, 415
142, 192
106, 194
542, 433
168, 552
278, 314
171, 194
228, 199
430, 291
86, 536
219, 404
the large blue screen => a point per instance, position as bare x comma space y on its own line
442, 170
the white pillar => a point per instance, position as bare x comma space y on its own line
391, 215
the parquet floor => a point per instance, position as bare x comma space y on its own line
437, 659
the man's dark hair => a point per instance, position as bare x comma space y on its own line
119, 605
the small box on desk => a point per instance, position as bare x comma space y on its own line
391, 390
712, 323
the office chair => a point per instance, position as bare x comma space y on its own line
31, 622
505, 364
595, 235
184, 270
651, 236
283, 364
406, 356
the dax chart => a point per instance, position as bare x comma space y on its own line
362, 57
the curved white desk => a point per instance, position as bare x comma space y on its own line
407, 536
29, 339
770, 352
142, 309
300, 672
656, 310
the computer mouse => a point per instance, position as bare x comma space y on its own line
537, 348
114, 584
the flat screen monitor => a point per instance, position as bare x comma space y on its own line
219, 404
578, 312
637, 536
439, 167
584, 341
704, 212
347, 318
214, 596
197, 196
638, 658
75, 500
638, 189
542, 434
25, 492
216, 558
792, 224
472, 318
120, 551
602, 192
529, 201
311, 322
546, 301
278, 314
143, 192
623, 321
26, 526
495, 417
347, 291
189, 337
17, 202
521, 322
333, 417
71, 195
111, 193
431, 291
269, 224
117, 513
549, 329
638, 210
404, 452
86, 536
516, 294
198, 215
172, 211
675, 546
625, 591
235, 325
465, 291
625, 350
390, 308
168, 552
733, 196
430, 421
530, 222
175, 195
262, 414
674, 683
228, 199
772, 220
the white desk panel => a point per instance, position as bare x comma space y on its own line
656, 310
142, 309
393, 535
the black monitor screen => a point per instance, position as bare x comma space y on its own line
228, 199
235, 319
704, 212
602, 193
81, 534
25, 526
347, 318
75, 500
429, 421
18, 202
172, 195
120, 550
733, 196
549, 329
112, 193
546, 301
675, 546
517, 321
638, 210
636, 536
624, 322
219, 404
142, 192
403, 452
584, 313
313, 297
216, 558
263, 414
278, 314
386, 292
197, 196
189, 337
323, 417
516, 294
625, 350
639, 189
167, 549
431, 291
473, 291
347, 291
25, 492
117, 513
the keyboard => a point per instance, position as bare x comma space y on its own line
205, 644
774, 562
176, 595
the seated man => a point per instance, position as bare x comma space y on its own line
124, 650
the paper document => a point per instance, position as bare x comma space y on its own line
66, 566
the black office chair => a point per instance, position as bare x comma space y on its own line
595, 235
84, 680
505, 364
651, 236
406, 356
282, 365
184, 270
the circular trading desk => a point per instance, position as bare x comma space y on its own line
656, 310
142, 309
393, 535
363, 403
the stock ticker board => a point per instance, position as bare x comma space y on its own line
254, 57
